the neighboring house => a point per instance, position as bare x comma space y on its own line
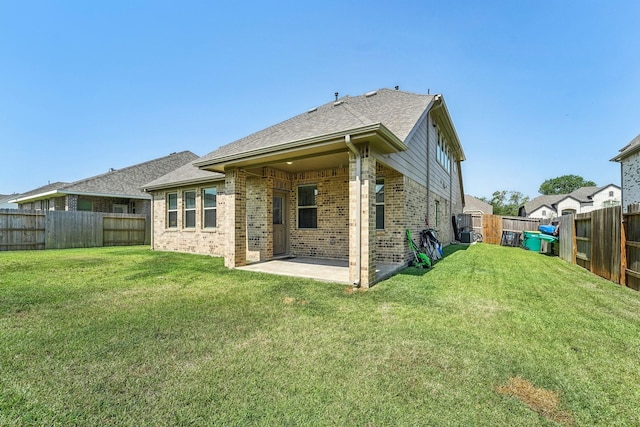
118, 191
5, 201
629, 159
342, 181
582, 200
474, 205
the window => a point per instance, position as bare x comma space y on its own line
380, 204
610, 193
85, 205
172, 210
437, 205
189, 204
120, 208
209, 205
443, 153
307, 206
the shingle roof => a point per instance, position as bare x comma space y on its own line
44, 189
187, 174
546, 200
628, 149
582, 195
476, 205
125, 182
398, 111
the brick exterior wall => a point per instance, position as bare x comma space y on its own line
209, 241
630, 181
69, 203
259, 212
331, 238
391, 243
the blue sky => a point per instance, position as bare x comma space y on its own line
536, 89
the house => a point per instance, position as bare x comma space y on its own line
473, 205
344, 181
582, 200
117, 191
5, 201
629, 159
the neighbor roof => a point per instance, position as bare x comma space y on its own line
396, 111
126, 182
582, 194
540, 201
473, 204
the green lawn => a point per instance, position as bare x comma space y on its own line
490, 336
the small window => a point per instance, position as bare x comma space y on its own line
380, 204
610, 193
307, 206
443, 153
209, 206
119, 208
544, 212
85, 205
189, 202
172, 210
437, 213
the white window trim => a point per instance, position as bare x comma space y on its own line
193, 209
171, 210
298, 207
211, 208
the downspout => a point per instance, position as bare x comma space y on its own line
356, 152
437, 102
151, 227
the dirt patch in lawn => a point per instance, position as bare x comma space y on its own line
290, 300
544, 402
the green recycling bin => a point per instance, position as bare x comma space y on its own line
531, 240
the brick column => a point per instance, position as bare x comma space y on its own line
235, 253
363, 189
368, 222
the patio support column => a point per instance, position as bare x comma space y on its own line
362, 221
235, 253
368, 221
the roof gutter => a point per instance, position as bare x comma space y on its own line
356, 153
180, 183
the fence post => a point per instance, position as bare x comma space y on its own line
623, 250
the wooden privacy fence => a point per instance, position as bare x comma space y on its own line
492, 227
605, 241
630, 268
30, 230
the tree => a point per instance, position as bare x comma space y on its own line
506, 203
564, 184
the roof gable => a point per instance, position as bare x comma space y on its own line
628, 150
184, 175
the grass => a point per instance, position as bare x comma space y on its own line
490, 335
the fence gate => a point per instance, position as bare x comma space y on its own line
492, 229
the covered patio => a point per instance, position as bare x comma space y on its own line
328, 270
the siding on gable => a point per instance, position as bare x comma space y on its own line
413, 161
